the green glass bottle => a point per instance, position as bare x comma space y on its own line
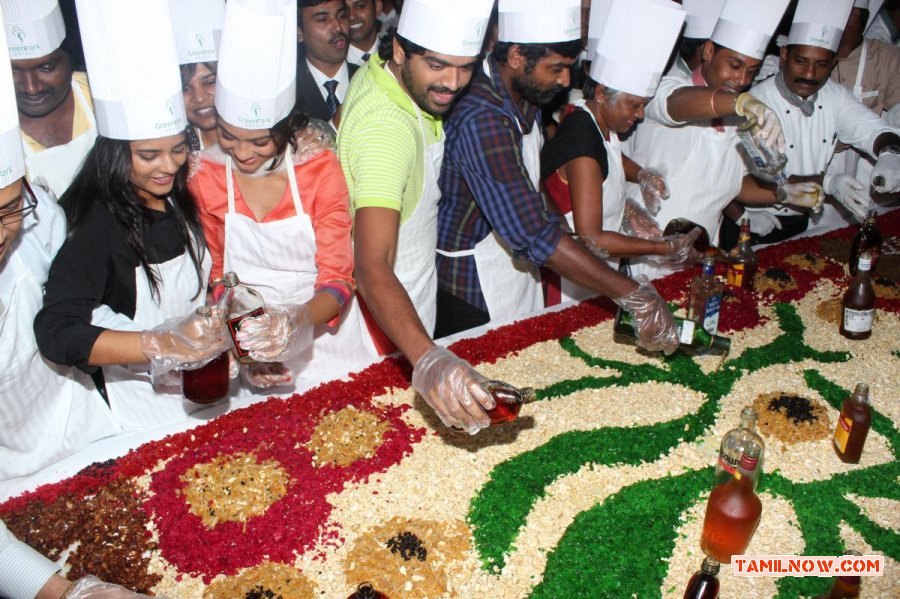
692, 337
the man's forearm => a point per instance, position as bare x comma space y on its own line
573, 261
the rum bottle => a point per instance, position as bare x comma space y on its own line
742, 262
238, 303
733, 445
705, 299
868, 239
844, 587
691, 338
732, 512
704, 584
209, 383
853, 425
859, 302
367, 591
508, 400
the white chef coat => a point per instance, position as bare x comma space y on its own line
23, 571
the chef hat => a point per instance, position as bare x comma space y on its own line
129, 48
539, 21
820, 23
12, 157
747, 27
198, 29
701, 18
455, 28
256, 79
596, 23
636, 44
34, 28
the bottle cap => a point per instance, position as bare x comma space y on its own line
872, 214
865, 261
862, 390
528, 394
230, 279
365, 591
204, 311
710, 566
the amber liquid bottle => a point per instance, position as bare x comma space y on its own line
732, 512
853, 425
508, 400
704, 584
868, 239
367, 591
859, 303
209, 383
237, 303
742, 263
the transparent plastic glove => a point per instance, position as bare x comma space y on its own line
184, 342
681, 249
591, 245
453, 389
772, 133
91, 587
849, 192
887, 173
312, 140
267, 374
653, 321
802, 195
279, 334
654, 188
637, 222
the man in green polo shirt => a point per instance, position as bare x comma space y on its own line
390, 145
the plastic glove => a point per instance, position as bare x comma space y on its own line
588, 242
453, 389
278, 335
772, 133
267, 374
802, 195
180, 343
652, 320
654, 188
681, 248
886, 174
91, 587
849, 192
313, 139
637, 222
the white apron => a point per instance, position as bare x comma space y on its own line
278, 259
47, 411
613, 207
511, 287
134, 401
55, 167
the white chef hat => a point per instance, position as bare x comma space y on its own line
456, 28
12, 157
636, 44
539, 21
34, 28
747, 27
596, 23
256, 79
701, 18
820, 23
129, 48
198, 29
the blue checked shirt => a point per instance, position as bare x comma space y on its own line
485, 187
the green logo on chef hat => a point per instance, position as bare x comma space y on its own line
19, 33
255, 109
170, 108
199, 39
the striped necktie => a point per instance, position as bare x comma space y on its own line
331, 101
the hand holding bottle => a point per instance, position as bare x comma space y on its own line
184, 342
802, 195
772, 133
652, 319
681, 248
453, 389
849, 192
886, 174
91, 587
637, 222
279, 334
654, 188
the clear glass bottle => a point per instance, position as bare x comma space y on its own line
742, 262
853, 425
704, 584
767, 160
508, 399
692, 338
237, 303
705, 300
209, 383
868, 239
859, 302
733, 445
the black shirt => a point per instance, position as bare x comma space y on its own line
95, 266
576, 137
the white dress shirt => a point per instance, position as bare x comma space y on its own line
342, 77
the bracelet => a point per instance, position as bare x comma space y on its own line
712, 103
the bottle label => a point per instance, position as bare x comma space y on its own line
842, 432
727, 464
735, 274
711, 314
686, 334
234, 325
858, 321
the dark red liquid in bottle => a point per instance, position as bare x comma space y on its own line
504, 412
207, 384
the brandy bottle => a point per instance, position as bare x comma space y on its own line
705, 300
367, 591
508, 400
742, 262
704, 584
209, 383
238, 303
859, 303
853, 425
868, 239
692, 338
733, 445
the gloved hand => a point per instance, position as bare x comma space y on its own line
267, 374
654, 188
91, 587
886, 174
453, 389
183, 343
849, 192
762, 222
279, 334
681, 248
771, 134
653, 322
588, 242
637, 222
803, 195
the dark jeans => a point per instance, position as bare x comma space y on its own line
790, 226
455, 315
